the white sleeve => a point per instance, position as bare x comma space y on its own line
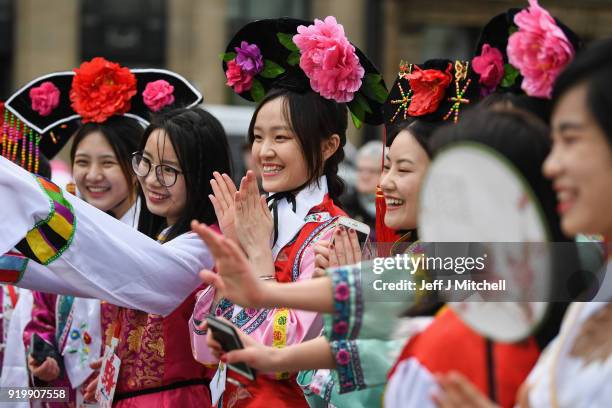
104, 258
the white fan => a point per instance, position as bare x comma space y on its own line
474, 194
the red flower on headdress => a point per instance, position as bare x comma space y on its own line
428, 87
238, 79
101, 89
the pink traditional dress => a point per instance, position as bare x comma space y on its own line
314, 218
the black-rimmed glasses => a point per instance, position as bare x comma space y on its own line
166, 175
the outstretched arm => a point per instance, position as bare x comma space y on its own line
90, 250
309, 355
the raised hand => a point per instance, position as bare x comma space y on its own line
235, 279
322, 253
345, 249
254, 222
222, 200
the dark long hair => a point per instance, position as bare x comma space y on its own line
123, 134
594, 66
201, 147
313, 119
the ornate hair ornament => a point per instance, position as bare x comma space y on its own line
523, 51
424, 91
302, 55
46, 112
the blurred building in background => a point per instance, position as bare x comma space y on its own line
40, 36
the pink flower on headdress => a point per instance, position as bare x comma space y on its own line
237, 78
158, 94
489, 65
249, 58
45, 98
539, 49
329, 60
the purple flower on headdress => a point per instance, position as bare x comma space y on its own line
249, 58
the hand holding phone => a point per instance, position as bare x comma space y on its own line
226, 335
349, 241
40, 349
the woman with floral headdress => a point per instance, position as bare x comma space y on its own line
575, 369
292, 298
101, 155
303, 76
180, 148
359, 350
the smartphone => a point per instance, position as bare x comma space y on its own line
40, 350
227, 336
362, 230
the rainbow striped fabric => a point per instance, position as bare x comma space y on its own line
12, 266
52, 236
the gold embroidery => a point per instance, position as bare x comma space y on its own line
158, 346
142, 354
134, 339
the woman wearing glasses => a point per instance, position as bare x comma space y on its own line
88, 253
157, 367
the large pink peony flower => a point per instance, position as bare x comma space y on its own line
158, 94
237, 78
329, 60
45, 98
539, 49
489, 65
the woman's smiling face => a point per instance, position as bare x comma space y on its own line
405, 165
580, 166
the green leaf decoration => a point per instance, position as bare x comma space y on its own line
287, 41
271, 69
228, 56
357, 112
510, 75
362, 102
294, 58
356, 121
257, 91
513, 29
373, 88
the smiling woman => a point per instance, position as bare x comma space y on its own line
100, 157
